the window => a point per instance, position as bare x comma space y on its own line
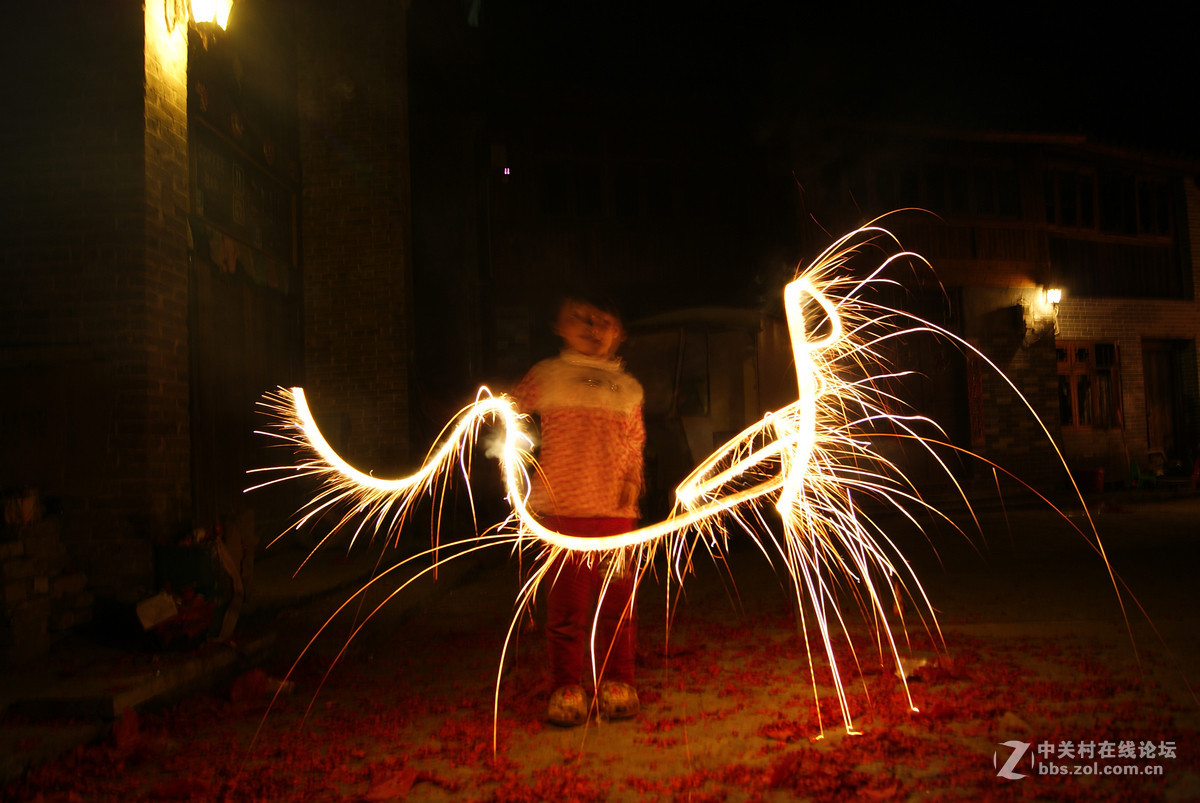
951, 189
1109, 201
958, 191
1088, 385
1118, 204
1070, 199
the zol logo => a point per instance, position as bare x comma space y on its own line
1018, 751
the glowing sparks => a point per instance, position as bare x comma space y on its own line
813, 461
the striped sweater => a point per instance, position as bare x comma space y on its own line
592, 435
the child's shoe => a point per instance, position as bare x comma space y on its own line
568, 707
618, 700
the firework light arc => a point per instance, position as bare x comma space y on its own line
813, 460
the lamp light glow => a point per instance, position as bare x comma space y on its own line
1053, 295
214, 11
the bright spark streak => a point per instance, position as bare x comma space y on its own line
813, 459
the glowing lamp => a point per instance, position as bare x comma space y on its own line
213, 11
1053, 295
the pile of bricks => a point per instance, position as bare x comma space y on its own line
43, 595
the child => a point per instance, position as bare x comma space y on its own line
589, 485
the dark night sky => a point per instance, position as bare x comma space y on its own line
1123, 78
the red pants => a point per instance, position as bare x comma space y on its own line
571, 609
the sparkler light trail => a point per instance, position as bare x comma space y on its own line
813, 460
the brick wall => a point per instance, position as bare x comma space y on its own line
43, 594
93, 335
1012, 436
355, 229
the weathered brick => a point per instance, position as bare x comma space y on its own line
15, 593
62, 620
68, 584
30, 614
18, 569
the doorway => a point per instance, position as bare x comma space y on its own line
1166, 431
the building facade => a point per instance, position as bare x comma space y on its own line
193, 216
1069, 265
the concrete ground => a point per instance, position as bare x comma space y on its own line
1034, 649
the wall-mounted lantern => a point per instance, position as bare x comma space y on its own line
1039, 314
201, 14
215, 12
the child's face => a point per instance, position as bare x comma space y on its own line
588, 330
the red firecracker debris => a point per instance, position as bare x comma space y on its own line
394, 787
125, 731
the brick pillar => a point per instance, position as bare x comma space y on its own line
355, 229
93, 339
165, 483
